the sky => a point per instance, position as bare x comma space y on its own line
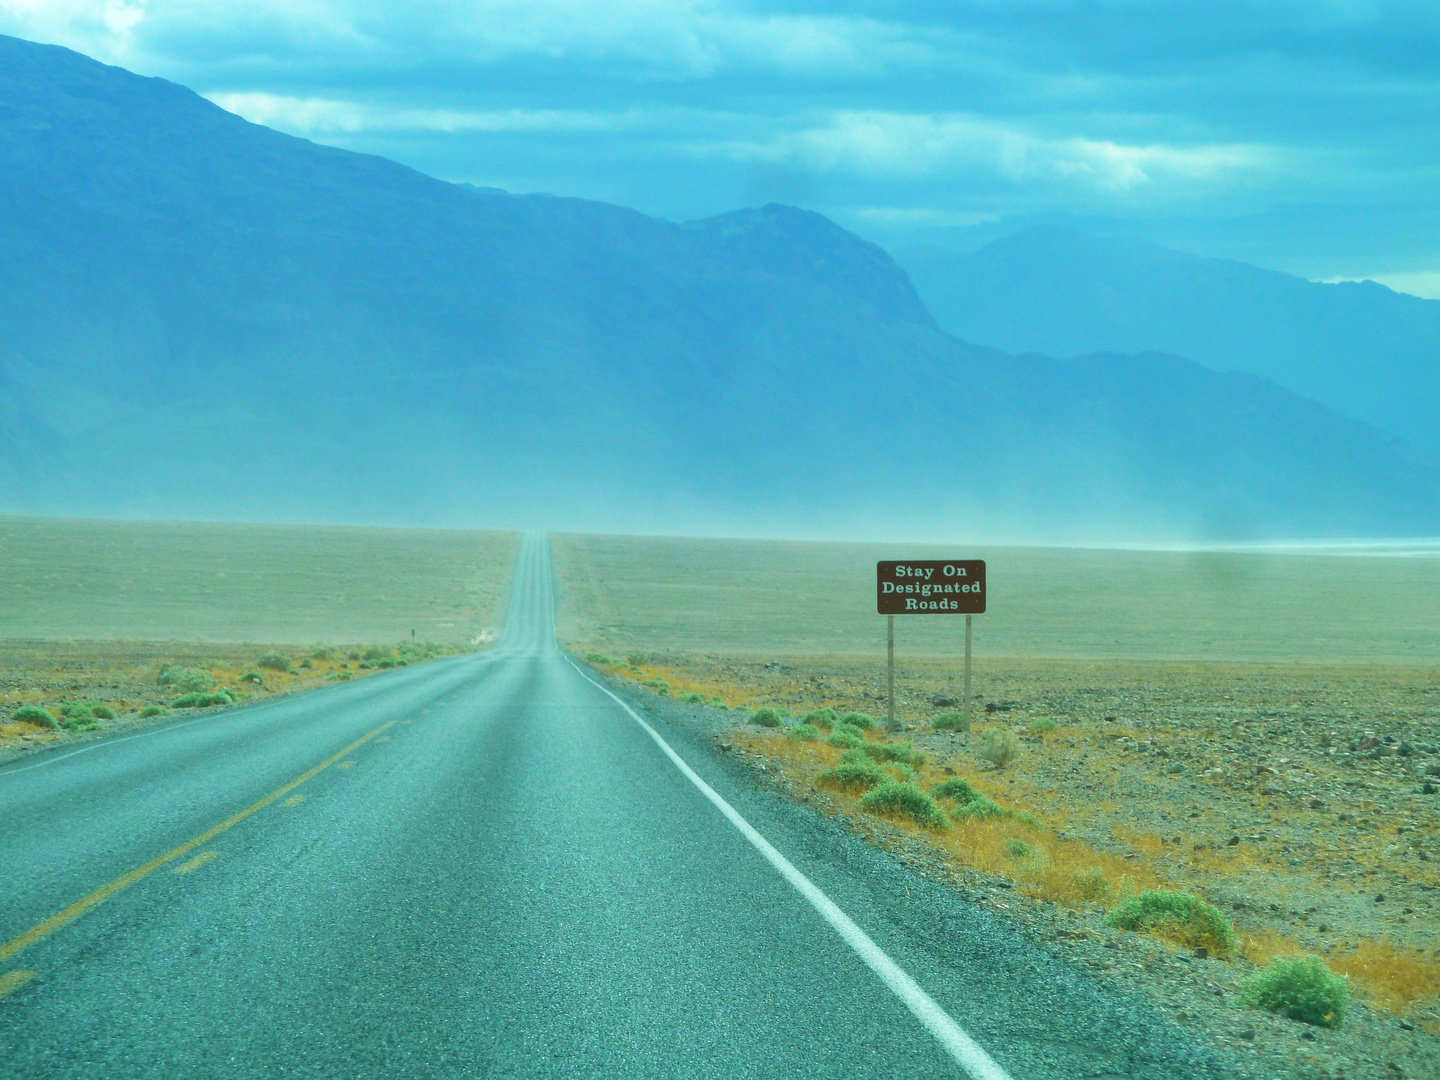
1302, 136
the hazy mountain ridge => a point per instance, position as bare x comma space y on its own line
1358, 347
200, 316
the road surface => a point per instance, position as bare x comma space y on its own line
490, 866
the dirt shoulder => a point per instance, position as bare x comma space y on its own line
125, 679
1299, 799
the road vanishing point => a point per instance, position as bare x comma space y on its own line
495, 866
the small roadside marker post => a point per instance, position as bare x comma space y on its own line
928, 587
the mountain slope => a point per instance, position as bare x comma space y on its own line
1357, 347
200, 316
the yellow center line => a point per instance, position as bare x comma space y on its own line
293, 800
197, 862
13, 980
81, 906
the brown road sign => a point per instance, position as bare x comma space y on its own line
926, 587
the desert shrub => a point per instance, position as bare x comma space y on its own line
863, 721
1025, 817
102, 712
1300, 988
275, 661
898, 797
597, 658
1039, 724
719, 703
374, 652
660, 686
853, 775
188, 680
894, 751
693, 697
900, 770
320, 652
845, 740
803, 733
202, 701
306, 665
1092, 884
339, 676
766, 717
998, 746
153, 710
1016, 849
821, 718
75, 709
956, 788
950, 721
635, 659
980, 807
34, 714
1180, 916
354, 654
253, 677
80, 722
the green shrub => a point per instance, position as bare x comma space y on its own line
1179, 916
600, 658
1025, 817
153, 710
821, 718
980, 807
1039, 724
693, 698
803, 733
853, 775
306, 665
950, 721
354, 654
660, 686
900, 770
719, 703
34, 714
1300, 988
80, 722
74, 709
187, 679
275, 661
898, 797
635, 659
339, 676
956, 788
1092, 884
1016, 849
895, 751
863, 721
102, 712
998, 746
846, 740
254, 678
202, 701
320, 653
766, 717
374, 652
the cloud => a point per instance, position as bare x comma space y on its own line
900, 145
321, 117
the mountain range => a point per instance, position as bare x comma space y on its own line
203, 317
1359, 348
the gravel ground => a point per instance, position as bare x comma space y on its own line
1294, 797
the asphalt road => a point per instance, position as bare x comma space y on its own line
490, 867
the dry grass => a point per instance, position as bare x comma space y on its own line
1391, 978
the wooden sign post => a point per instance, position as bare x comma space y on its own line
928, 587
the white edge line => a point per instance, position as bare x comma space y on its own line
965, 1050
